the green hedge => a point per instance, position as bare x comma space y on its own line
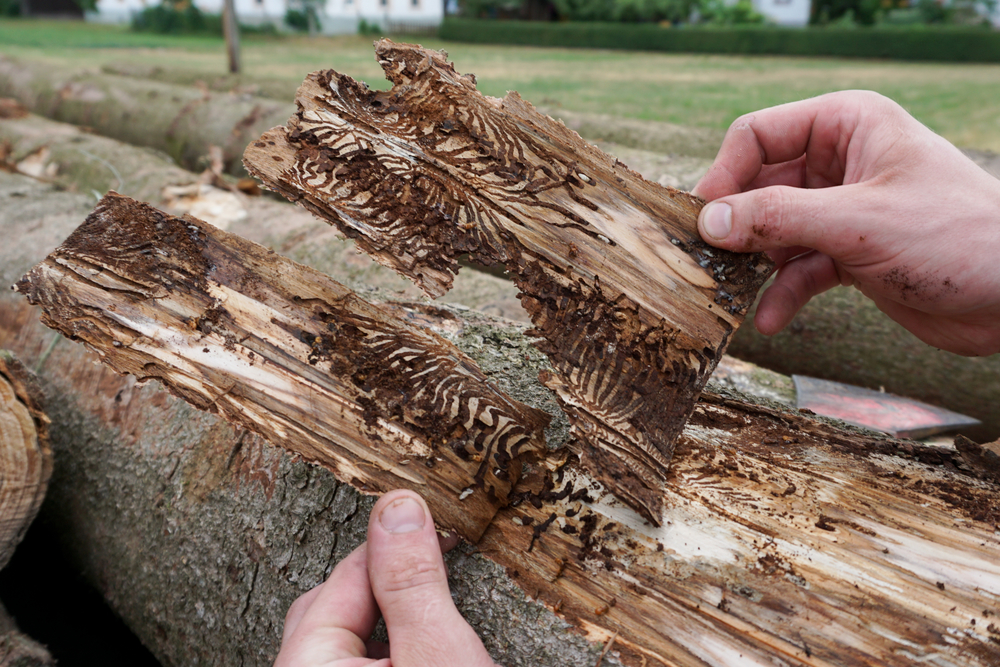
931, 43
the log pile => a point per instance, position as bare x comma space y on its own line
180, 121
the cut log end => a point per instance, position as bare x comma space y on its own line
633, 309
25, 456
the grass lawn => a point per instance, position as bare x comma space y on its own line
960, 101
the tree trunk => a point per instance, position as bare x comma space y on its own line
841, 335
231, 28
181, 121
633, 309
784, 538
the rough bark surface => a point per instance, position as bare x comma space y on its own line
841, 335
288, 353
19, 650
25, 455
786, 540
179, 120
633, 309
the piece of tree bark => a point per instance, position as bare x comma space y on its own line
841, 335
179, 120
984, 458
786, 539
25, 455
633, 309
288, 353
19, 650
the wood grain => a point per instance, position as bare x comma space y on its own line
25, 455
785, 541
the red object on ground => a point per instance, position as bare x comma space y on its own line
899, 417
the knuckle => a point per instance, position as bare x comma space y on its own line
297, 609
767, 217
742, 122
413, 573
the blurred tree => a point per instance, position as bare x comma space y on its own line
304, 15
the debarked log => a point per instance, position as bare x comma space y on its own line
785, 541
632, 308
182, 121
288, 353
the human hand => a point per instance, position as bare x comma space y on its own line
399, 571
849, 189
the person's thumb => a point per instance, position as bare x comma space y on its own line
410, 584
787, 217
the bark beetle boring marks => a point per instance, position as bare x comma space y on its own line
288, 353
632, 308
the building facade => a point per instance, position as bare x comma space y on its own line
335, 16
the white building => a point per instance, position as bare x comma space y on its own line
335, 16
791, 13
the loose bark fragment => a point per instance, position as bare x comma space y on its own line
633, 309
984, 458
288, 353
25, 456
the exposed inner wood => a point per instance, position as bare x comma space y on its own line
785, 541
632, 308
288, 353
25, 456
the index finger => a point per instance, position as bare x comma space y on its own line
334, 619
773, 136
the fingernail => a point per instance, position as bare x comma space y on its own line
718, 220
402, 516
